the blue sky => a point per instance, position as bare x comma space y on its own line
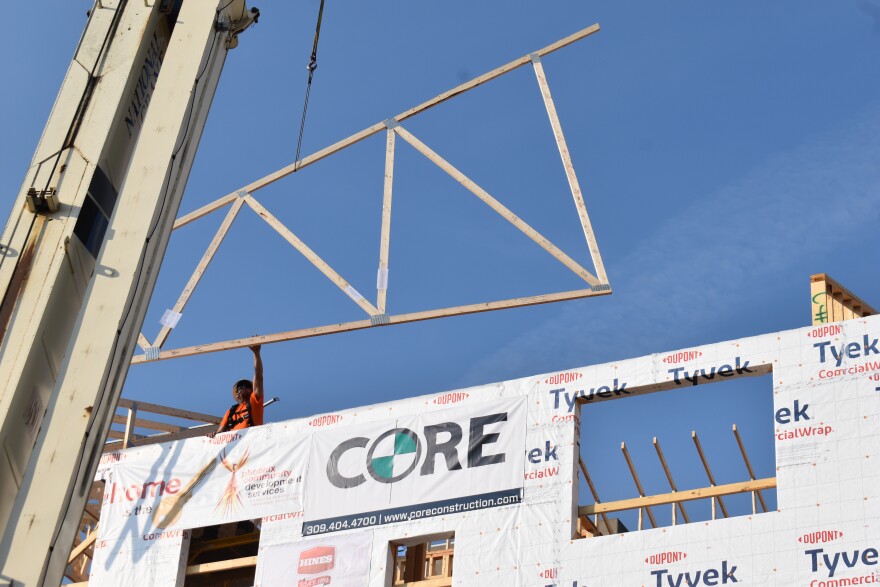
726, 152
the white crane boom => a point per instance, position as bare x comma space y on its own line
81, 251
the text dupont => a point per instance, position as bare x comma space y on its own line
850, 350
594, 392
738, 368
849, 558
710, 577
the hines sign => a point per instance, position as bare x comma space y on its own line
438, 463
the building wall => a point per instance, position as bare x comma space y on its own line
825, 532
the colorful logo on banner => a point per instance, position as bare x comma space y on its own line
316, 560
438, 463
343, 561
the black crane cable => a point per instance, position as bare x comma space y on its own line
312, 66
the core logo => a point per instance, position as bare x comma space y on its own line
397, 453
562, 378
325, 580
316, 560
824, 331
451, 398
681, 357
662, 558
820, 536
325, 420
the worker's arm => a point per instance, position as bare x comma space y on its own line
221, 426
258, 372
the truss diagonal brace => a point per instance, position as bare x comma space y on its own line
201, 268
569, 168
482, 194
312, 257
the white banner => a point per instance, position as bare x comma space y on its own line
438, 463
237, 475
343, 561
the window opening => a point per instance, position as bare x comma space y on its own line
422, 562
233, 550
678, 456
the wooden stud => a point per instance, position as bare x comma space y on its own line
312, 257
385, 238
708, 474
363, 324
201, 268
669, 478
129, 426
569, 170
742, 450
635, 476
483, 195
713, 492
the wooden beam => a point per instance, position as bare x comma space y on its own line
173, 412
742, 450
497, 72
635, 476
312, 257
385, 238
593, 491
82, 546
669, 478
143, 342
205, 210
711, 477
567, 164
677, 496
483, 195
363, 324
201, 268
380, 126
183, 434
236, 563
148, 424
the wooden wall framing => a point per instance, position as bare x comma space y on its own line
376, 313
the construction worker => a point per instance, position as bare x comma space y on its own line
247, 410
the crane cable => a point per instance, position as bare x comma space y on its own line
312, 66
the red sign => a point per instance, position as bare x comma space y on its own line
451, 398
563, 378
325, 420
823, 331
682, 356
316, 560
662, 558
820, 536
